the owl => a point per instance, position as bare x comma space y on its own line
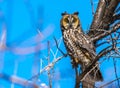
79, 46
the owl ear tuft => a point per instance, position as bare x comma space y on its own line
65, 13
76, 13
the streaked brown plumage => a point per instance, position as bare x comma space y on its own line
78, 45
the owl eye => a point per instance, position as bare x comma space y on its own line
74, 20
66, 20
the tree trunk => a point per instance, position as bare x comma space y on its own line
88, 82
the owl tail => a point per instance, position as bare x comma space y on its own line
96, 75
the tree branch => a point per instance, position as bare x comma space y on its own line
18, 81
92, 5
103, 16
109, 83
115, 28
93, 63
59, 48
48, 59
99, 14
48, 67
109, 12
114, 63
115, 18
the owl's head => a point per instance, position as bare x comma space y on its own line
70, 20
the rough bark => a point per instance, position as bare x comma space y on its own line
88, 83
103, 18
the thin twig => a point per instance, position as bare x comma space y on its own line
102, 43
59, 48
49, 74
55, 53
115, 18
18, 80
59, 43
109, 83
114, 63
48, 67
77, 83
114, 29
92, 4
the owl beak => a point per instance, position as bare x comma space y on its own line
70, 26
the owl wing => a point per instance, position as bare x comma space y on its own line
85, 45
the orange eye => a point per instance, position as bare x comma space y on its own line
74, 19
66, 20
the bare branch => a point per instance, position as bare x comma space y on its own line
103, 16
18, 80
108, 16
92, 4
77, 83
93, 63
59, 48
114, 62
115, 18
101, 44
49, 74
92, 70
48, 67
99, 14
109, 83
115, 28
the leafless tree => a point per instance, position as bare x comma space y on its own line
104, 31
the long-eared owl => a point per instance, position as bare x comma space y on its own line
79, 46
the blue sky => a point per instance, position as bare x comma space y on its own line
23, 20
